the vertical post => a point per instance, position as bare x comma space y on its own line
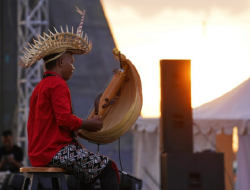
1, 63
31, 21
176, 112
224, 144
176, 134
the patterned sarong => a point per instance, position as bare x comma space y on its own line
79, 162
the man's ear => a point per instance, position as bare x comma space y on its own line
60, 62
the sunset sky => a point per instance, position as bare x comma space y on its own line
214, 34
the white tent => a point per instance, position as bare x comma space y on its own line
227, 111
210, 119
223, 114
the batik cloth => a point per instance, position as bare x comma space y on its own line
86, 166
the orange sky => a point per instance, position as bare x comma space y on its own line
215, 36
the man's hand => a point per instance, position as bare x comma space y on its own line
92, 125
10, 159
3, 160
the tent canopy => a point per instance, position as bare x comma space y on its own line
224, 113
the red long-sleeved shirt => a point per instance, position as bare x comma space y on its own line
51, 121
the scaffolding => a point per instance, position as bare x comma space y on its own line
32, 19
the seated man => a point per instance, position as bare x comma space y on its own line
51, 125
11, 156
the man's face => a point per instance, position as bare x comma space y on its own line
67, 65
7, 141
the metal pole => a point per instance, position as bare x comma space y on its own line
31, 21
1, 63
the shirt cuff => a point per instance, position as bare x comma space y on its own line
79, 123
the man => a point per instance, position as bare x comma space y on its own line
51, 124
11, 156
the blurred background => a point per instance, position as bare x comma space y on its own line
213, 34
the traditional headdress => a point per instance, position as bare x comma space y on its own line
57, 43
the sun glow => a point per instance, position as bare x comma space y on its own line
218, 52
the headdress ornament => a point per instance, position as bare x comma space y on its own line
57, 42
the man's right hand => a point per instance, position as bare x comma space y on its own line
92, 125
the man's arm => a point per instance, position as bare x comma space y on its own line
2, 162
61, 102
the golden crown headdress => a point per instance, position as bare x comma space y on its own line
58, 42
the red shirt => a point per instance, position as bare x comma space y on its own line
51, 121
